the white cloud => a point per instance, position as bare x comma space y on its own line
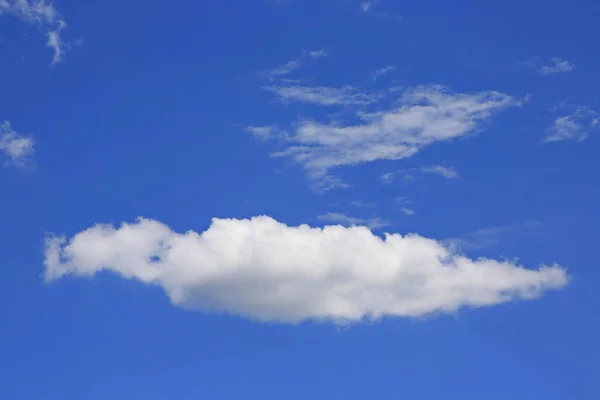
322, 95
575, 126
382, 71
343, 219
43, 13
422, 116
557, 66
265, 270
293, 65
16, 147
446, 172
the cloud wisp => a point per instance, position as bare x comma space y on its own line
411, 174
556, 66
323, 95
446, 172
368, 7
378, 73
575, 126
420, 117
265, 270
295, 64
406, 174
345, 220
406, 205
17, 148
487, 237
42, 13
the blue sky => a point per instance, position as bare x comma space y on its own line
334, 199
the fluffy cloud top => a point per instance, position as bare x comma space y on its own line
41, 12
17, 148
266, 270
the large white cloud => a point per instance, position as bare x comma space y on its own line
265, 270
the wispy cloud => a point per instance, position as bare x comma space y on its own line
363, 204
406, 175
421, 117
408, 211
345, 220
410, 174
556, 66
446, 172
42, 13
403, 200
322, 95
378, 73
263, 132
406, 204
487, 237
574, 126
296, 63
17, 148
368, 7
267, 271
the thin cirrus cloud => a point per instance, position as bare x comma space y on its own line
363, 204
17, 148
575, 126
265, 270
378, 73
421, 116
262, 132
556, 66
43, 13
345, 220
295, 64
322, 95
406, 205
446, 172
410, 174
368, 7
408, 211
406, 174
487, 237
